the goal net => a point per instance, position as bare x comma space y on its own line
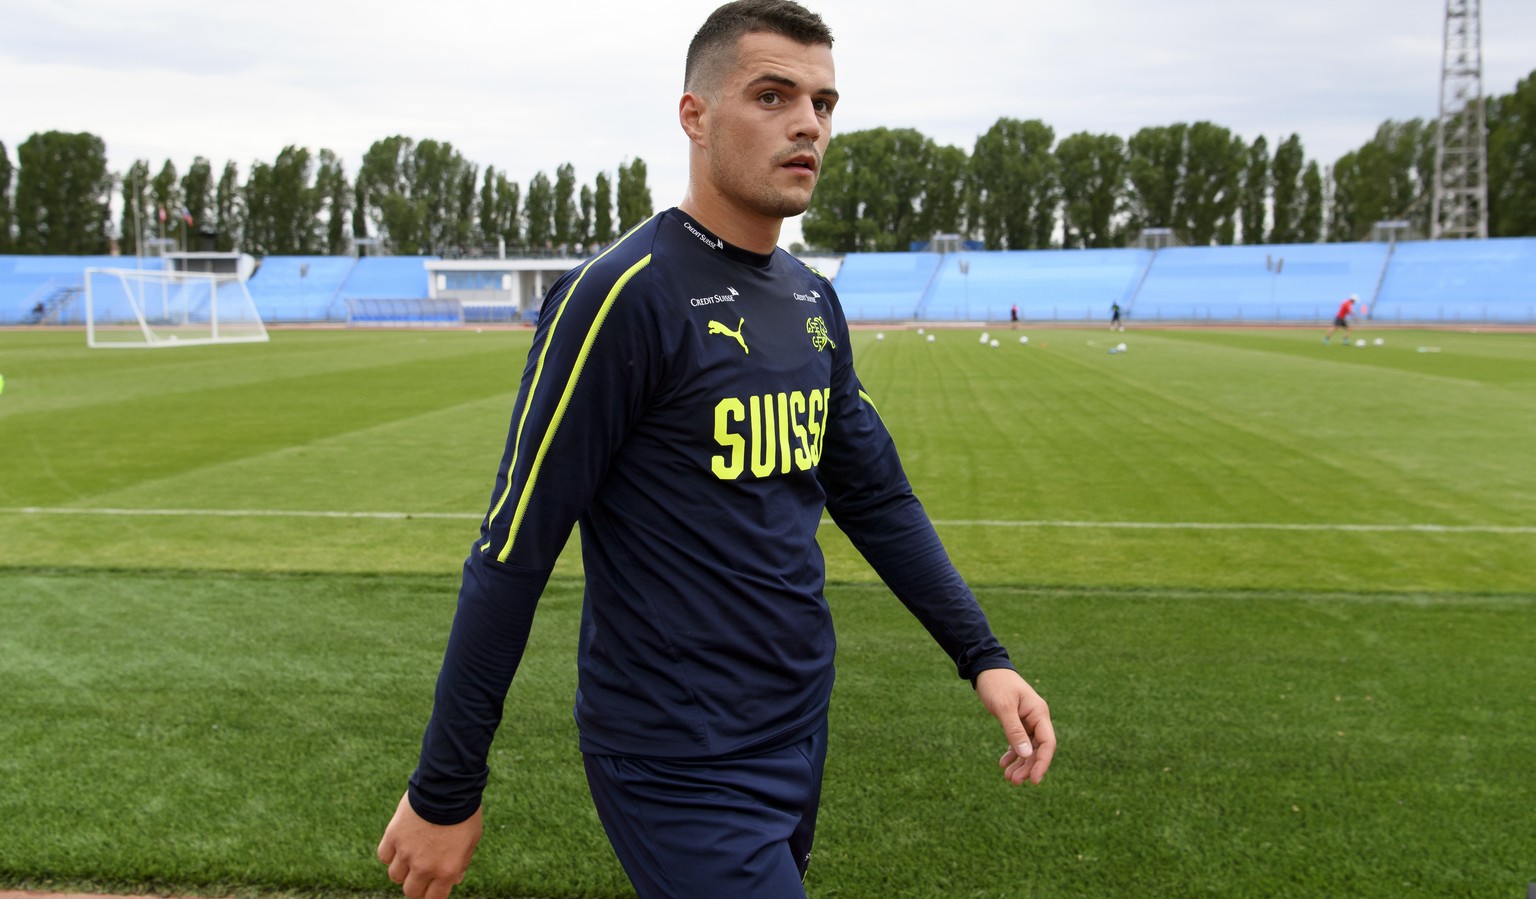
129, 308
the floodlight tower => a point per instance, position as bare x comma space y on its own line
1460, 205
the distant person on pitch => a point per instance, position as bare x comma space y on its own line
690, 401
1115, 324
1341, 320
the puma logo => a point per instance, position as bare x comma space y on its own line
717, 328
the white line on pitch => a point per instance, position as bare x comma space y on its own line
973, 522
244, 513
1244, 526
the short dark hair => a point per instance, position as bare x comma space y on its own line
725, 26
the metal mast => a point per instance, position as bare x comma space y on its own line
1461, 140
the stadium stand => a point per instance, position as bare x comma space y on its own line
1460, 281
387, 278
1424, 282
300, 288
884, 286
55, 283
1047, 285
1284, 282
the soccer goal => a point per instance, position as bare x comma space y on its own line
130, 308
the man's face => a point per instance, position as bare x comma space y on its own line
769, 126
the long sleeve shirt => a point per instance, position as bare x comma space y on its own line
694, 406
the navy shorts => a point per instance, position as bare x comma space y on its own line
1340, 322
699, 829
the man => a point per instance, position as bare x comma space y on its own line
690, 399
1341, 320
1114, 318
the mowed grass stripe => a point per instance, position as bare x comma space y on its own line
940, 522
252, 732
159, 419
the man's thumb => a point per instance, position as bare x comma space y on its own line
1018, 737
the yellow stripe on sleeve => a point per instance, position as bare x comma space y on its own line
538, 374
866, 398
565, 400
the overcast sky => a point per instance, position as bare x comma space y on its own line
528, 86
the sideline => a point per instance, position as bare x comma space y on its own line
938, 522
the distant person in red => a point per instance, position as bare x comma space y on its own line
1346, 312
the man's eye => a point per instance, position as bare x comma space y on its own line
771, 98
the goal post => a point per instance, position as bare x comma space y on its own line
135, 308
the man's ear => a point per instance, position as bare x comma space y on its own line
692, 111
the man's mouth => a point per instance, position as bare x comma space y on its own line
801, 161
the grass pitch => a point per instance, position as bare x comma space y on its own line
1280, 596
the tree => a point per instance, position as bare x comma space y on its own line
138, 212
564, 211
1156, 169
499, 208
1312, 204
539, 212
165, 194
334, 196
944, 193
880, 190
282, 206
5, 200
1255, 193
1015, 185
1384, 179
197, 196
499, 200
602, 213
1093, 189
1208, 189
461, 229
63, 194
228, 211
414, 193
586, 204
634, 195
1285, 181
1512, 162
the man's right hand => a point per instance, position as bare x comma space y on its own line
428, 860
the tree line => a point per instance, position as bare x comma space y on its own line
1020, 188
881, 189
416, 197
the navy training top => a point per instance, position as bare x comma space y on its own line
694, 406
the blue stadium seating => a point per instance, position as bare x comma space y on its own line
1460, 281
1463, 281
387, 278
1450, 282
1046, 284
1285, 282
884, 286
26, 281
300, 288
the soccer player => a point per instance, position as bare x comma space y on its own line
690, 400
1114, 318
1341, 320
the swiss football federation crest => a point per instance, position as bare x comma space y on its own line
817, 328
